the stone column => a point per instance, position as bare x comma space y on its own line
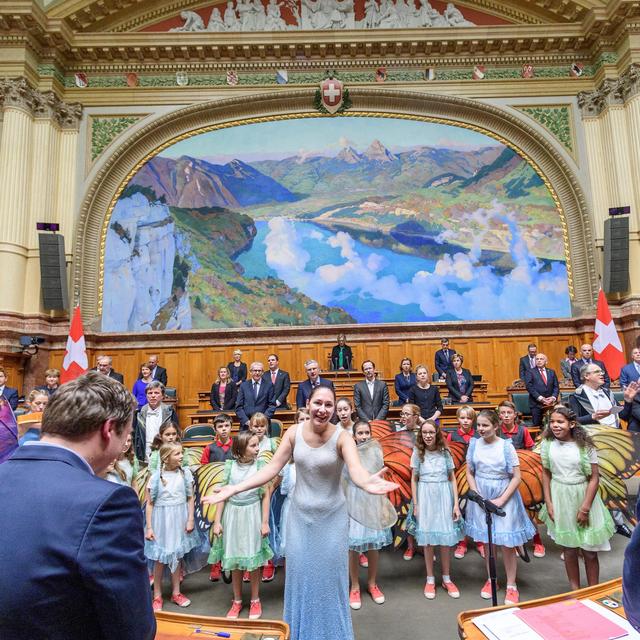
15, 179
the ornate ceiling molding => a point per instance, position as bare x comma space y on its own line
146, 141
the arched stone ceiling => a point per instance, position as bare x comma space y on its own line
131, 15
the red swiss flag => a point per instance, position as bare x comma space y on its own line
606, 344
75, 361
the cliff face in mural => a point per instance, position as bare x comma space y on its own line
324, 221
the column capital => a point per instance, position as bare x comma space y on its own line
18, 93
611, 92
630, 82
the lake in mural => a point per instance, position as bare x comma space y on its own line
317, 221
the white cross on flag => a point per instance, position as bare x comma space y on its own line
331, 94
606, 344
75, 361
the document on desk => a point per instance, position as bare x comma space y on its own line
504, 625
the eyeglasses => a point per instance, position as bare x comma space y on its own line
404, 414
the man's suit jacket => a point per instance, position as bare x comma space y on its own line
159, 374
247, 404
454, 387
230, 396
524, 367
443, 363
281, 387
369, 408
71, 552
113, 374
536, 386
628, 374
11, 396
168, 414
579, 363
305, 389
581, 405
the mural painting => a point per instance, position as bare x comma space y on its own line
316, 221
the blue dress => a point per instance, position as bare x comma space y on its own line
316, 592
492, 465
435, 525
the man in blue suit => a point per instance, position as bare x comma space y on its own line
444, 358
631, 372
313, 380
71, 543
255, 396
8, 393
542, 385
586, 351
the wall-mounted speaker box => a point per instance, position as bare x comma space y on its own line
616, 255
53, 271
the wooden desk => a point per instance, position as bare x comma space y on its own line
468, 631
176, 626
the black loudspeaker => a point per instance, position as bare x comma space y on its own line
616, 255
53, 271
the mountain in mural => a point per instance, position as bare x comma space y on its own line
191, 182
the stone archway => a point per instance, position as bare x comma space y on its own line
166, 129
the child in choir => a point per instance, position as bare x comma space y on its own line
466, 430
435, 504
220, 450
345, 413
521, 439
241, 525
170, 531
259, 425
363, 540
125, 468
493, 471
574, 513
169, 433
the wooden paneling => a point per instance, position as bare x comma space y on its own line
192, 369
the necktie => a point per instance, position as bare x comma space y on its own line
543, 373
255, 389
273, 377
446, 354
532, 362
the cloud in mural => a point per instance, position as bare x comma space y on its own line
458, 282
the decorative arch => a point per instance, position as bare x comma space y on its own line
127, 158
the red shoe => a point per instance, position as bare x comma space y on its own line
246, 577
363, 560
539, 551
354, 599
376, 594
461, 550
409, 553
451, 589
216, 572
236, 608
486, 590
255, 610
511, 596
430, 590
268, 571
157, 604
480, 548
181, 600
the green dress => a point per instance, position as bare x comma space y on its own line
570, 467
241, 545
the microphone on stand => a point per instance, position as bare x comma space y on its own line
487, 505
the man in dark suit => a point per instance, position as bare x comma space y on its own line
527, 362
586, 350
103, 365
71, 543
8, 393
157, 372
371, 396
443, 359
543, 387
313, 380
255, 396
631, 372
279, 379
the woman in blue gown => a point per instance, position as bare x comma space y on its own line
316, 601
